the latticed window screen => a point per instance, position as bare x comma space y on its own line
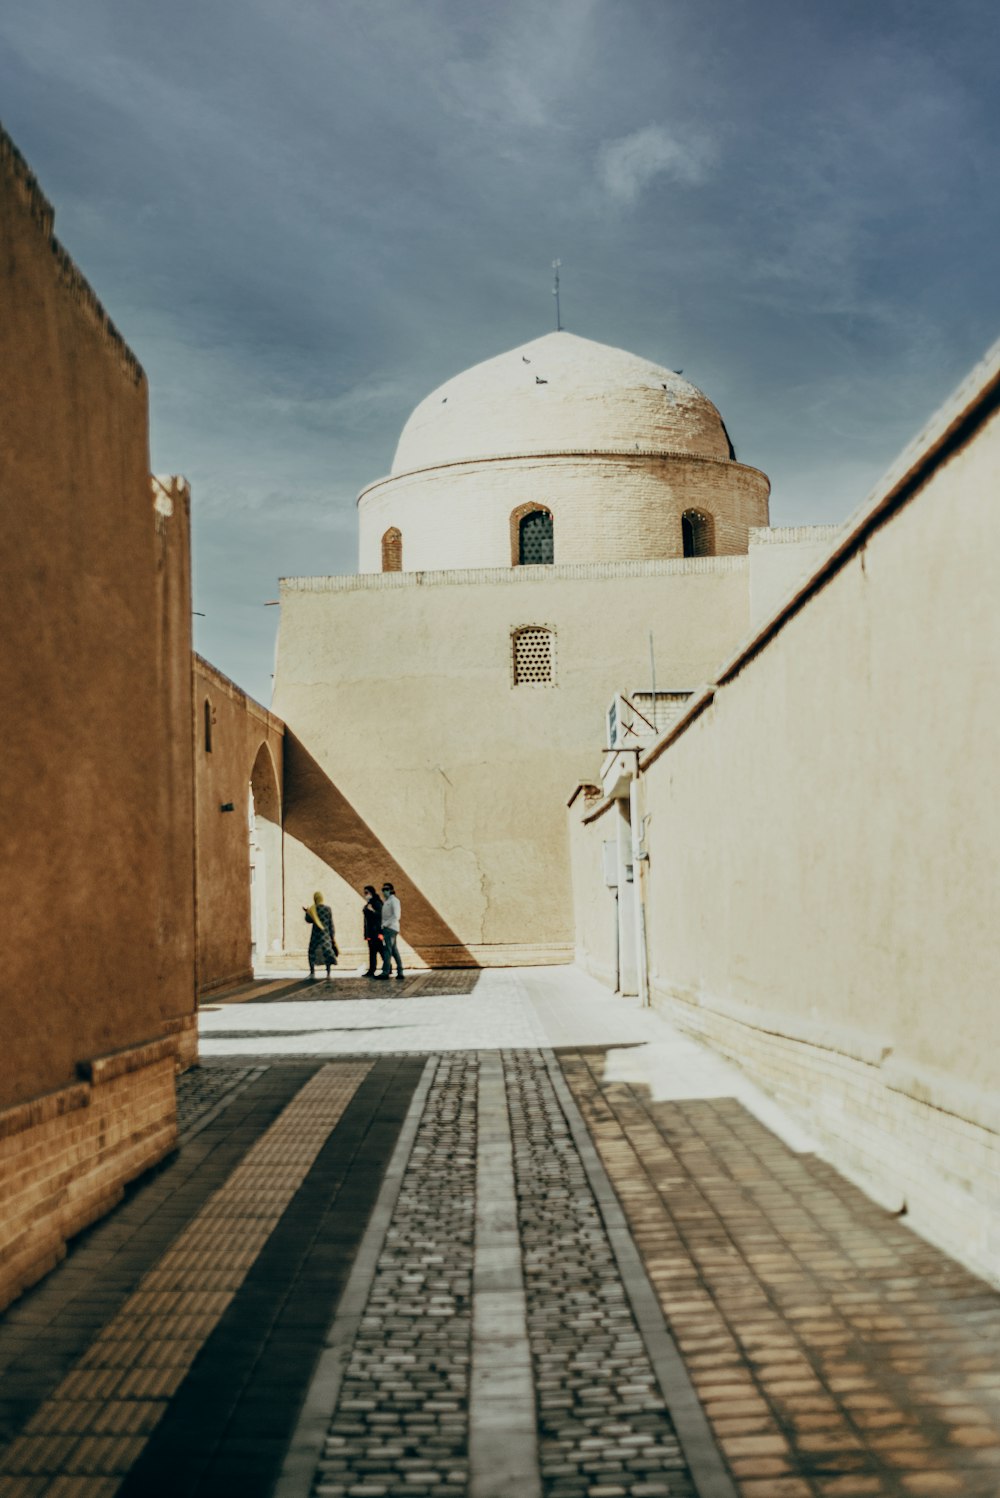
392, 551
534, 656
536, 539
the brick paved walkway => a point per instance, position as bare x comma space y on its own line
371, 1275
836, 1353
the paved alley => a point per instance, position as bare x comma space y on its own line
496, 1235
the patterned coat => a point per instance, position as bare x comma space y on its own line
322, 948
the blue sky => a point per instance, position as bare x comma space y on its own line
305, 216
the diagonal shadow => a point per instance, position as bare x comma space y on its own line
322, 818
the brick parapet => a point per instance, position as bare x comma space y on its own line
786, 535
514, 576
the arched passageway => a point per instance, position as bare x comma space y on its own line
266, 882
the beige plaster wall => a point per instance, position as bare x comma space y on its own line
823, 845
780, 557
411, 756
606, 507
96, 872
247, 745
592, 823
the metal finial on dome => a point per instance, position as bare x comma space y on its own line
557, 266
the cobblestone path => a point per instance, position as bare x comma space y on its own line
402, 1422
205, 1090
603, 1424
836, 1353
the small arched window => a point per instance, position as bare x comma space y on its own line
392, 550
209, 719
533, 537
698, 533
533, 656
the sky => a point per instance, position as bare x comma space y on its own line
305, 216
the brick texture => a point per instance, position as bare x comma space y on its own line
910, 1153
66, 1158
606, 507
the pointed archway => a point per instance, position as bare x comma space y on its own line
266, 871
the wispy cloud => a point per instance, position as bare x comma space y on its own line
626, 167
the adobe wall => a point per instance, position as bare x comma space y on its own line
245, 743
411, 755
781, 556
823, 833
606, 507
595, 910
96, 873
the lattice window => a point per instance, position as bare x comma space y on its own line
698, 533
534, 656
392, 550
536, 545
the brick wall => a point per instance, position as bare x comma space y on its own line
66, 1157
606, 507
97, 872
237, 743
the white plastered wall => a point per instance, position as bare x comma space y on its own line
823, 853
780, 557
404, 725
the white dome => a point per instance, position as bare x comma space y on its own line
558, 394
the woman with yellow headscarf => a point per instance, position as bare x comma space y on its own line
322, 947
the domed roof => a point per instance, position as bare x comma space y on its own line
560, 393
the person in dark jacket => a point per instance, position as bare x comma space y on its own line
373, 927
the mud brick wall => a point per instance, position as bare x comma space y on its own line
65, 1158
96, 848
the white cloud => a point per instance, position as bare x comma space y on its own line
626, 167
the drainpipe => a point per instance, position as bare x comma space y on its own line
640, 859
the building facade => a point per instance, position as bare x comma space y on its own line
560, 523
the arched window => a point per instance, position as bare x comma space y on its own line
208, 726
698, 533
392, 550
532, 538
533, 656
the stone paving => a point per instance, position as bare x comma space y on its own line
603, 1424
441, 1182
205, 1089
401, 1423
836, 1353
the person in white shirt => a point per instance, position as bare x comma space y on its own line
390, 933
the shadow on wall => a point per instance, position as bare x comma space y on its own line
322, 818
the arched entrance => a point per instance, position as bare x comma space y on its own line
266, 891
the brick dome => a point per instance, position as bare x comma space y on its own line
560, 393
559, 452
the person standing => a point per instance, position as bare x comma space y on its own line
373, 926
322, 947
390, 932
